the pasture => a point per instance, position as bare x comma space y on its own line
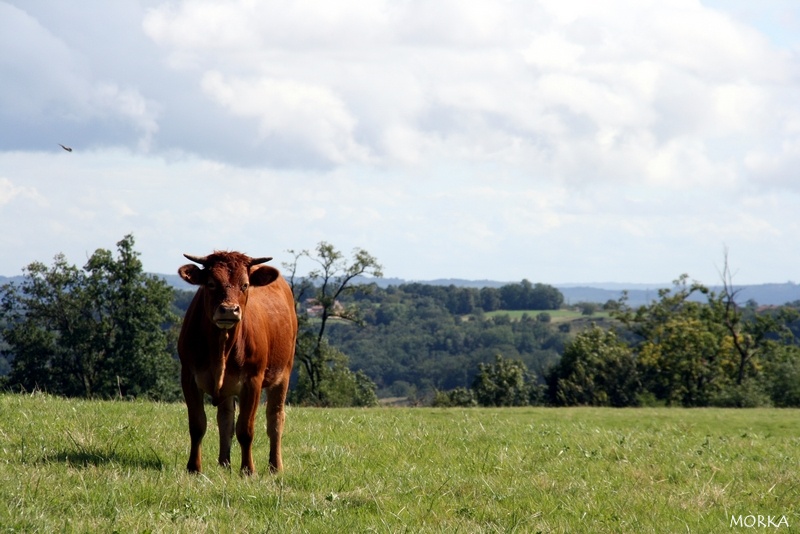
104, 466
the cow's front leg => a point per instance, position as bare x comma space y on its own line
225, 420
276, 398
249, 397
197, 420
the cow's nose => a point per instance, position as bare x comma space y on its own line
230, 311
227, 316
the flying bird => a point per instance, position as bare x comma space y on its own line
68, 149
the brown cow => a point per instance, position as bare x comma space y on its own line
238, 336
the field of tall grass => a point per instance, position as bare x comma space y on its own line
104, 466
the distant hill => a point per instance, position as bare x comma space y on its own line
638, 294
763, 294
13, 279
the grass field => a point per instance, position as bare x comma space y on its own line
91, 466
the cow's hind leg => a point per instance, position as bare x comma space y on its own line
226, 412
276, 415
197, 421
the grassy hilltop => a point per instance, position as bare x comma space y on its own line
78, 466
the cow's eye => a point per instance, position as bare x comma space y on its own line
211, 285
245, 286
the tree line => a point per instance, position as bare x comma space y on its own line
109, 330
512, 297
412, 345
676, 351
104, 330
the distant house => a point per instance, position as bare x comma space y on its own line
314, 308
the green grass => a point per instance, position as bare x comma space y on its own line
91, 466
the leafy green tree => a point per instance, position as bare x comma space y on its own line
338, 386
683, 362
545, 297
515, 296
697, 353
587, 308
332, 280
597, 369
782, 375
462, 301
505, 382
748, 337
104, 330
490, 299
681, 352
527, 296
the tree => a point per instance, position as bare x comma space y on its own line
747, 338
490, 299
587, 308
597, 369
104, 330
505, 382
545, 297
679, 341
683, 362
783, 375
527, 296
458, 397
331, 280
338, 386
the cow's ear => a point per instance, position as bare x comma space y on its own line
192, 274
263, 275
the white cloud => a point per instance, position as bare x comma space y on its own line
40, 69
109, 100
553, 51
311, 114
739, 107
776, 166
10, 192
51, 86
572, 89
428, 129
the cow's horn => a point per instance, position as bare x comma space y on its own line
197, 259
257, 261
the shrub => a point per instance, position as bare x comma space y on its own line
596, 370
502, 383
461, 397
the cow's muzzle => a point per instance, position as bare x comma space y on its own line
227, 316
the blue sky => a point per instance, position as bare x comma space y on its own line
558, 141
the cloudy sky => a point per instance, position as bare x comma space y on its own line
554, 140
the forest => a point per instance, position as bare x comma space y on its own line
108, 330
424, 343
416, 339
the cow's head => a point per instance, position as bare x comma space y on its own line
225, 279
